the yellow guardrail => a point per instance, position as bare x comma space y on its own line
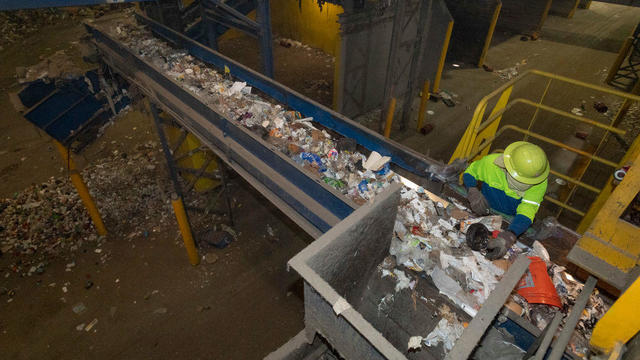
482, 133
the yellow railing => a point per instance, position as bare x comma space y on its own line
482, 133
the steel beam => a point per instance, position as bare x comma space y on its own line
36, 4
572, 320
264, 34
477, 327
222, 13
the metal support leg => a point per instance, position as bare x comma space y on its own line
572, 320
173, 173
545, 339
424, 23
266, 44
225, 189
476, 329
208, 28
399, 10
185, 229
177, 199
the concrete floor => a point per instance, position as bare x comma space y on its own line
582, 48
255, 304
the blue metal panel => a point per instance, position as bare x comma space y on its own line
64, 108
523, 338
400, 155
35, 4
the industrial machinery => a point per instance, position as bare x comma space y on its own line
317, 207
337, 296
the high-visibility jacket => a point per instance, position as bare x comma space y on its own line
524, 205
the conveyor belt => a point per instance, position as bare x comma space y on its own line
312, 204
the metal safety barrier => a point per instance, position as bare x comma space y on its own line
483, 131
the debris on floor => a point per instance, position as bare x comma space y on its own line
600, 107
55, 66
577, 111
48, 221
210, 258
90, 325
16, 25
508, 73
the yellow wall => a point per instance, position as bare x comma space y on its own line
303, 21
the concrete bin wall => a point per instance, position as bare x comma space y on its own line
333, 268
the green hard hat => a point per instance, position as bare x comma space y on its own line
526, 162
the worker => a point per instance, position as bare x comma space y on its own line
513, 183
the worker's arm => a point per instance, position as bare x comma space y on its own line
528, 208
472, 174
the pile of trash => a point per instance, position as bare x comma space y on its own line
337, 162
43, 221
48, 221
430, 238
16, 25
130, 189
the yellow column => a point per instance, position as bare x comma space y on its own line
389, 122
82, 189
443, 57
185, 229
620, 323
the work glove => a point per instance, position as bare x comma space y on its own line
498, 247
478, 202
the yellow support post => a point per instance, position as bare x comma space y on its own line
443, 57
492, 28
632, 153
389, 122
185, 229
543, 18
490, 130
573, 10
82, 189
620, 323
423, 104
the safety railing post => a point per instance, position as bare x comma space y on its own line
481, 134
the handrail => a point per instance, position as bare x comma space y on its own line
527, 73
595, 123
481, 132
543, 138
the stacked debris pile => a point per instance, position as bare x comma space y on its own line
18, 24
129, 188
430, 239
48, 221
43, 221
